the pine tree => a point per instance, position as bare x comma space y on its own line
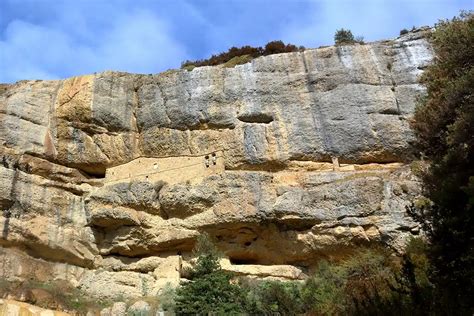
343, 36
209, 291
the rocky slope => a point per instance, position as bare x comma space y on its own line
285, 160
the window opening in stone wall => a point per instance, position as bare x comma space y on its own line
214, 159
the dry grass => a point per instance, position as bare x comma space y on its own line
238, 60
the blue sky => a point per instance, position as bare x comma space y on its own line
51, 39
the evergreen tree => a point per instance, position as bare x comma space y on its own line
344, 36
209, 291
444, 125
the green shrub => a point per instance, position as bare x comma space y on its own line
414, 275
359, 39
209, 290
167, 298
188, 65
403, 31
443, 124
323, 292
58, 294
238, 60
344, 36
277, 47
241, 55
360, 285
369, 282
389, 66
272, 298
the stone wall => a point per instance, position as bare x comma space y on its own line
171, 170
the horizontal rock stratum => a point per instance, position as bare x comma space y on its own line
107, 179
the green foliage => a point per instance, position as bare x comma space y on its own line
359, 39
419, 167
51, 295
369, 282
210, 290
324, 291
343, 37
241, 55
273, 298
389, 65
167, 298
414, 274
361, 285
403, 31
277, 47
444, 127
188, 65
207, 257
238, 60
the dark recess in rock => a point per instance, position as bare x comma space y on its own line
263, 118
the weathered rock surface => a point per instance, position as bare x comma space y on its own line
310, 159
14, 308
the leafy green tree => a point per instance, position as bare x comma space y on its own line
273, 298
370, 282
210, 290
403, 31
324, 292
444, 126
344, 36
276, 47
412, 279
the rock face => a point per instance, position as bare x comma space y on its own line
107, 179
14, 308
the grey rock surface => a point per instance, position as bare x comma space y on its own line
315, 149
119, 309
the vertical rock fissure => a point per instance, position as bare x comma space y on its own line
319, 119
394, 84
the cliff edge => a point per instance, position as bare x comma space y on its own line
107, 179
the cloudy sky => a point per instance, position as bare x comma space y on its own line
50, 39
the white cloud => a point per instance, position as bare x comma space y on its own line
135, 41
373, 19
58, 38
140, 42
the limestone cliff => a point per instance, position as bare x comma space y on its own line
107, 179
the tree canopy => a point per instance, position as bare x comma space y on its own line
444, 126
210, 289
343, 36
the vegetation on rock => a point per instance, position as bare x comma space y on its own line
241, 55
59, 295
403, 31
444, 126
345, 37
368, 282
210, 289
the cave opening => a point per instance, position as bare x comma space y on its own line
96, 172
240, 261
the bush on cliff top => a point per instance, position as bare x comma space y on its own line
345, 37
241, 55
